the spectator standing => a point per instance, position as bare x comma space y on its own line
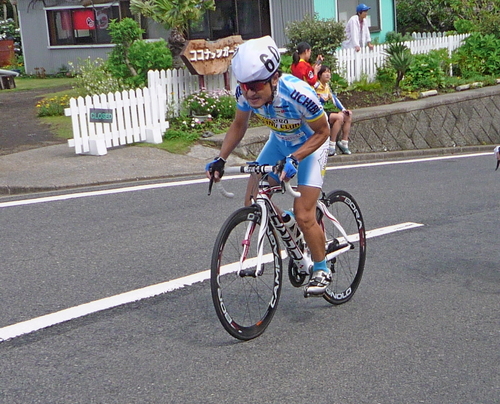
356, 30
337, 120
301, 67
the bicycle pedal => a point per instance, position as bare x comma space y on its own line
243, 273
307, 294
310, 294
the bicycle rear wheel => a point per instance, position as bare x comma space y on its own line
245, 301
347, 268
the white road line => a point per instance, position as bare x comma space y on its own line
391, 229
202, 180
97, 193
48, 320
419, 160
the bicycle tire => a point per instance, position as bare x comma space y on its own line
245, 305
347, 268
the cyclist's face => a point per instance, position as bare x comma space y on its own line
259, 93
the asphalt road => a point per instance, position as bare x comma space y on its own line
423, 326
20, 127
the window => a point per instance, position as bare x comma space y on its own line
248, 18
83, 26
347, 8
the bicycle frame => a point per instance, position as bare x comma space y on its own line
269, 214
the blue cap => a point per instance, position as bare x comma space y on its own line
362, 7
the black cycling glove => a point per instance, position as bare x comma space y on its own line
217, 165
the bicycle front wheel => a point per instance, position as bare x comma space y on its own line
347, 268
245, 298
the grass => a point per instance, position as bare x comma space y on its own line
28, 83
59, 125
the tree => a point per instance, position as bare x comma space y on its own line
481, 15
132, 57
445, 15
424, 15
175, 15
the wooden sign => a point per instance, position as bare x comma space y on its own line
210, 57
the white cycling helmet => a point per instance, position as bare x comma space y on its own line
255, 60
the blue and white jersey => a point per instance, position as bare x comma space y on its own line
295, 103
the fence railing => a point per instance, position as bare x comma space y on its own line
354, 65
179, 83
136, 116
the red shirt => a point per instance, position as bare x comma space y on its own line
304, 71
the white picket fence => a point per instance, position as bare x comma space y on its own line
179, 83
141, 115
137, 116
354, 65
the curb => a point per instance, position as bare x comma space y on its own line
332, 161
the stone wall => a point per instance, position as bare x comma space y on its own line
466, 118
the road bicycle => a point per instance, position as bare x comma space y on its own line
247, 259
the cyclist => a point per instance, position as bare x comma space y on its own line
298, 139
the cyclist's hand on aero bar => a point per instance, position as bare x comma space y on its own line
215, 171
288, 167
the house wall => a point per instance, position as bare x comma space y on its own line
284, 11
325, 9
387, 19
35, 41
38, 53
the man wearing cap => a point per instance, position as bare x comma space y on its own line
298, 139
356, 30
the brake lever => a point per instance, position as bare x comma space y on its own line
210, 184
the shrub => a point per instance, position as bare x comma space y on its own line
324, 36
400, 59
463, 26
479, 54
219, 104
337, 82
53, 106
8, 30
427, 71
92, 77
392, 37
184, 134
286, 63
132, 57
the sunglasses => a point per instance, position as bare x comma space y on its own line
254, 85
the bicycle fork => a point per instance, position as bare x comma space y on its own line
244, 263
